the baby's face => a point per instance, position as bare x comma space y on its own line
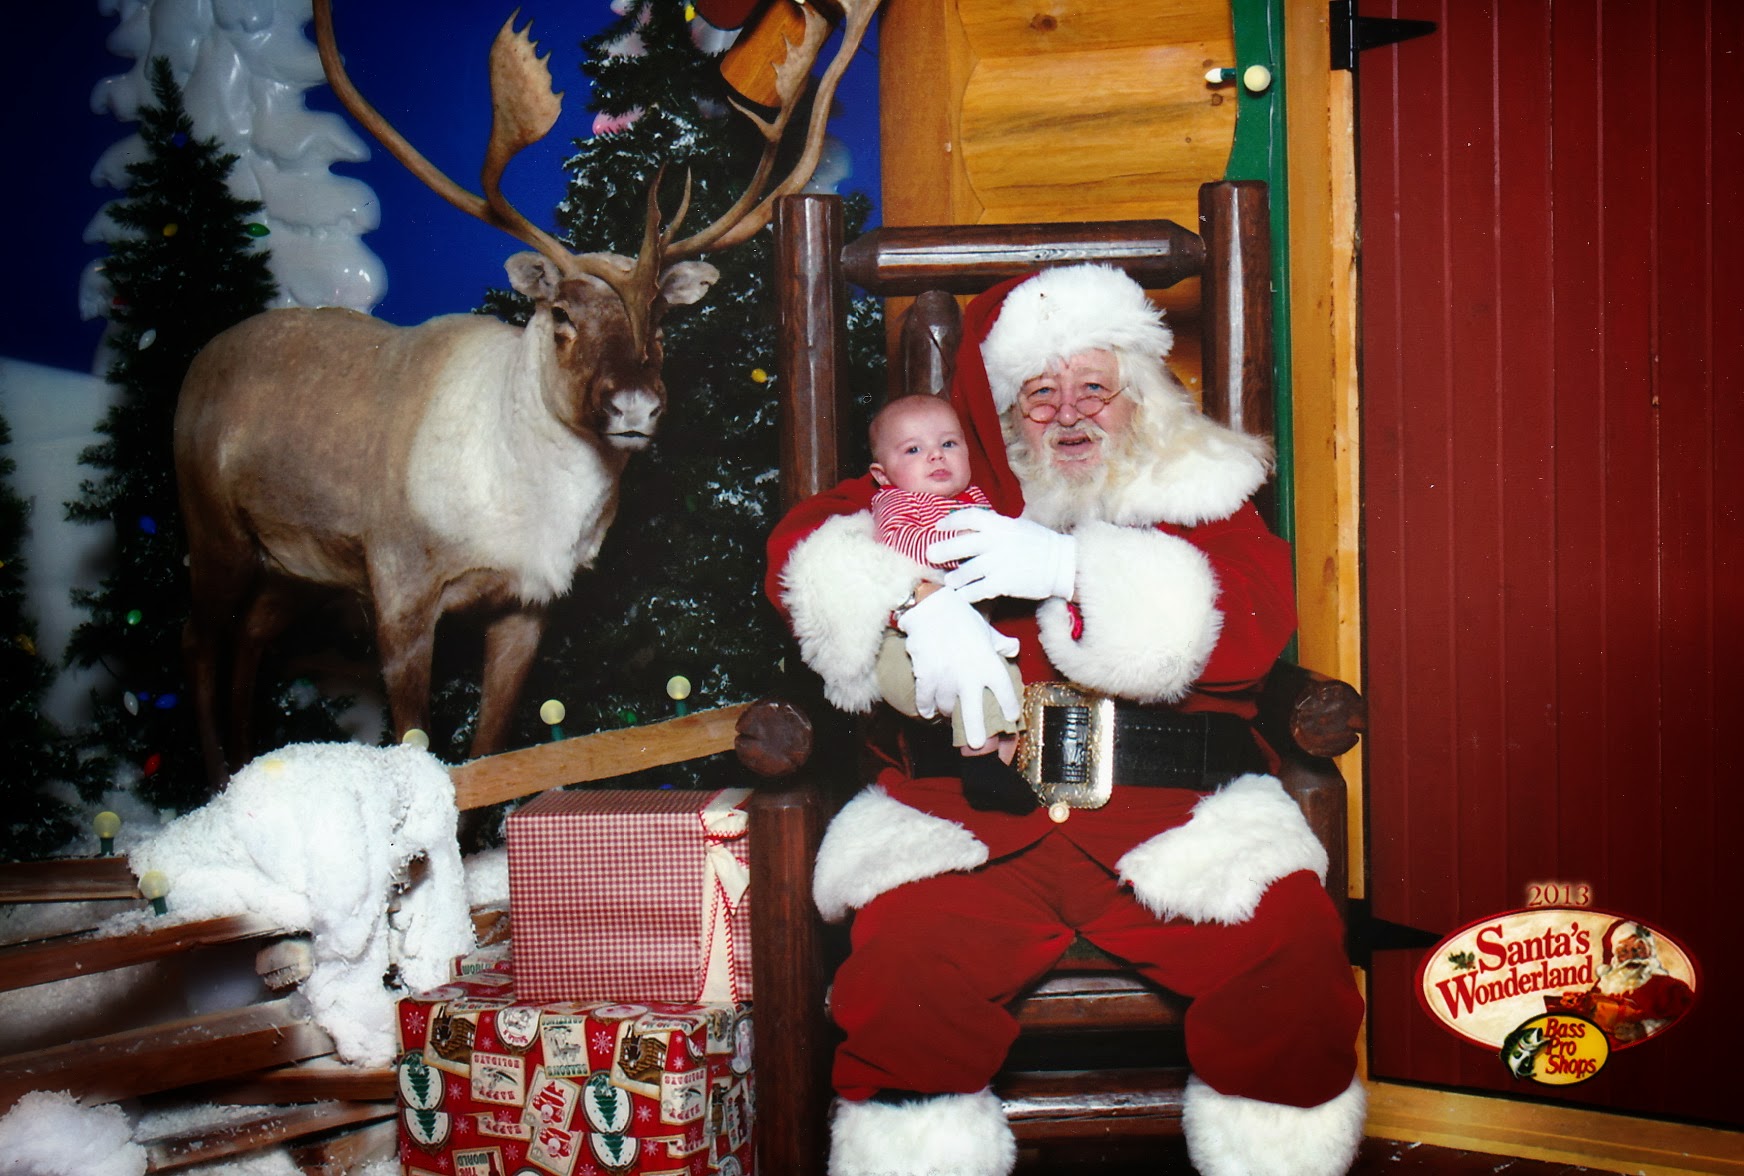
921, 448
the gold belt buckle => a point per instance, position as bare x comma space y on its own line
1082, 774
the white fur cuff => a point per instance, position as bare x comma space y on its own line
943, 1135
1149, 603
839, 586
1231, 1136
1216, 867
877, 843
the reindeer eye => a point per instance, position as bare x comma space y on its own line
560, 316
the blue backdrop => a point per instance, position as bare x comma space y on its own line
427, 75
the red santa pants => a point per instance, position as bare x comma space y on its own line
922, 997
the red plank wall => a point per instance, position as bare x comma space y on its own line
1553, 336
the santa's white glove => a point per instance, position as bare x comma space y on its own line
1005, 557
957, 655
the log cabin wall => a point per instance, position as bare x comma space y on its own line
1008, 111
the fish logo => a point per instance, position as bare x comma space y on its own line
1520, 1051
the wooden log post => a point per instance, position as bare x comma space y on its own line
1236, 293
811, 362
931, 330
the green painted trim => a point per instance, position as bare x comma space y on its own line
1259, 153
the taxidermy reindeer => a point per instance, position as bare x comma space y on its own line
460, 464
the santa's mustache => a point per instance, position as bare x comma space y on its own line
1082, 428
1626, 974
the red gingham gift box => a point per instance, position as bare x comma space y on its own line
490, 1085
631, 895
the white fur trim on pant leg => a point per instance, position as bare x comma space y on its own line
1231, 1136
839, 586
1217, 866
940, 1135
1149, 604
877, 843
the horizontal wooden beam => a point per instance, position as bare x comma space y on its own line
166, 1056
966, 259
320, 1079
1115, 1001
1059, 1105
25, 964
599, 756
263, 1129
67, 880
348, 1153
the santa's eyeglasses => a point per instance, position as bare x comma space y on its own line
1044, 404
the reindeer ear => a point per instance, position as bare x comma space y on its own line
688, 281
534, 275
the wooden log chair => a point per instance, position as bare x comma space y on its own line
1307, 717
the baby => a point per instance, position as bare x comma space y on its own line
922, 462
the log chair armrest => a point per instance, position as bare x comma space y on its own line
1308, 718
1303, 713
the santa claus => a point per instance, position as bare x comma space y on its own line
1634, 996
1124, 557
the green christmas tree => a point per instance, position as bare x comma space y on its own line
35, 753
677, 590
190, 265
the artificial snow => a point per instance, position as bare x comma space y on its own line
320, 837
49, 1133
243, 67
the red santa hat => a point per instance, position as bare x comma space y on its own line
1627, 928
1061, 312
1016, 329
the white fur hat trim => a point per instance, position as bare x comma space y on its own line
1061, 312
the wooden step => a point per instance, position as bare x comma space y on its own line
38, 962
314, 1080
67, 880
265, 1129
1070, 1104
343, 1155
167, 1056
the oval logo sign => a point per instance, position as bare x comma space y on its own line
1501, 975
1556, 1049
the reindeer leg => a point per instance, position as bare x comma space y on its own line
273, 607
219, 582
200, 645
510, 642
405, 637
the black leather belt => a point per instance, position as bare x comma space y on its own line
1077, 745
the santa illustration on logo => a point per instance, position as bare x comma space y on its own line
1634, 996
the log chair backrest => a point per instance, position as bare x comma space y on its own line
1231, 254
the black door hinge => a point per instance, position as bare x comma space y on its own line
1365, 934
1351, 34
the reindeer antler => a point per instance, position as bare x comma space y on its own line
524, 109
755, 206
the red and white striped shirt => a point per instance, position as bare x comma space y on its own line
906, 519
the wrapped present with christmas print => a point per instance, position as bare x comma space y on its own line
631, 895
491, 1085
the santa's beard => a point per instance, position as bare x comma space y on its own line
1064, 495
1616, 979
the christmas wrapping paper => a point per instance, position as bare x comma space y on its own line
492, 1086
631, 895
